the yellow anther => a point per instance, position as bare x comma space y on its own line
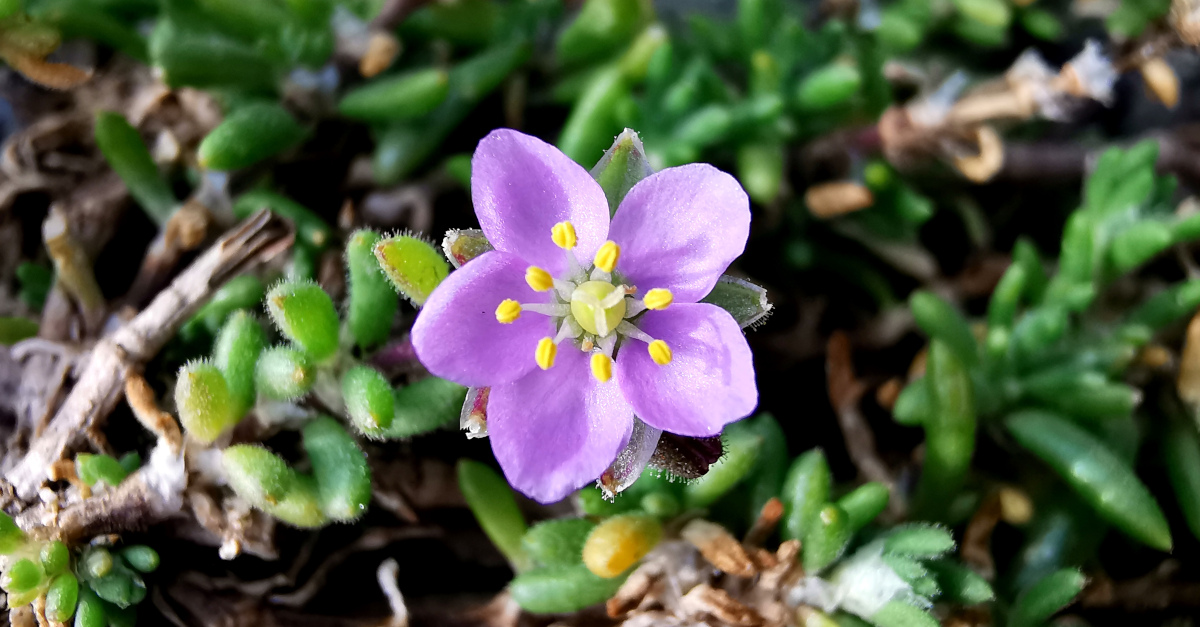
508, 311
660, 352
546, 351
538, 279
606, 257
601, 367
563, 235
658, 298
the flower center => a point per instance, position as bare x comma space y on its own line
588, 306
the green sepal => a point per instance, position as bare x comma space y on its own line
304, 313
126, 154
372, 301
206, 408
495, 507
413, 266
401, 97
561, 589
463, 245
235, 352
1094, 472
250, 134
745, 301
283, 373
426, 405
557, 542
622, 166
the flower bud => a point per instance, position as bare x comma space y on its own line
235, 353
250, 134
340, 469
372, 301
402, 97
618, 543
205, 405
305, 314
61, 598
414, 267
370, 400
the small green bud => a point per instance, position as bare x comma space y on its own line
828, 87
414, 267
370, 400
96, 562
248, 135
235, 353
373, 302
340, 469
141, 557
558, 542
305, 314
401, 97
21, 576
61, 597
283, 373
93, 468
55, 557
206, 408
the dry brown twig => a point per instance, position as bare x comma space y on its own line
101, 383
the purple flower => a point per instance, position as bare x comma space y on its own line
578, 325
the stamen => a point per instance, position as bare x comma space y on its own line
547, 309
660, 352
607, 256
608, 344
508, 311
546, 351
634, 307
601, 367
628, 330
538, 279
658, 298
563, 235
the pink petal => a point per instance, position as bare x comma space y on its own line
457, 336
554, 431
680, 229
709, 382
522, 187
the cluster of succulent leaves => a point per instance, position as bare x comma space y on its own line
98, 586
317, 357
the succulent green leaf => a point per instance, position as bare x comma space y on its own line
11, 535
55, 557
236, 353
202, 58
901, 614
304, 313
14, 329
919, 540
760, 168
960, 584
206, 408
370, 400
942, 322
864, 503
426, 405
123, 149
22, 575
828, 87
372, 301
93, 468
61, 598
402, 97
242, 292
141, 557
283, 373
340, 469
742, 447
826, 538
1044, 599
311, 230
949, 431
266, 482
1094, 472
250, 134
557, 542
805, 493
914, 405
495, 507
413, 266
559, 589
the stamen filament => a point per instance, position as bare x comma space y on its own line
568, 329
633, 307
628, 330
547, 309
